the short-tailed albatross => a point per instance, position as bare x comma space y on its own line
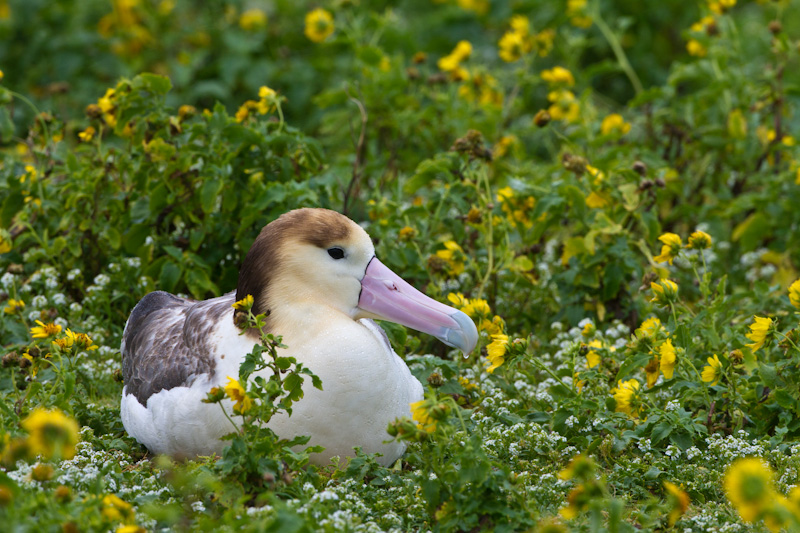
315, 273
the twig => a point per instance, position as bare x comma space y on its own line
359, 159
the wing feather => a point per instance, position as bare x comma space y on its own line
166, 342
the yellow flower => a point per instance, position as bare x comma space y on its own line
244, 303
651, 372
454, 256
319, 25
116, 509
678, 501
87, 134
42, 331
748, 485
668, 358
628, 397
592, 357
504, 144
421, 415
702, 24
451, 63
497, 351
576, 10
596, 201
558, 76
794, 294
650, 327
252, 19
105, 102
130, 529
477, 308
51, 433
664, 292
513, 45
759, 330
564, 106
407, 233
457, 299
712, 372
5, 241
580, 467
671, 248
695, 48
614, 123
478, 6
699, 240
520, 24
238, 394
13, 306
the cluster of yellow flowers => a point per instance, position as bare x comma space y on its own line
453, 256
672, 245
13, 306
614, 124
516, 42
749, 487
267, 101
480, 311
126, 24
563, 104
516, 208
577, 13
481, 87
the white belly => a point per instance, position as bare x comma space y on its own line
365, 386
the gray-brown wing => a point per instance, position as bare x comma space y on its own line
165, 343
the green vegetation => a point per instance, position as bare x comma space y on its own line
609, 189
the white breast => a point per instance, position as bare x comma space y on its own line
365, 386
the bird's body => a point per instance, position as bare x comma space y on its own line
175, 350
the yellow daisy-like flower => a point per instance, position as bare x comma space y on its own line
558, 76
651, 371
319, 25
42, 331
596, 201
244, 303
614, 123
695, 48
592, 357
512, 46
454, 256
564, 106
252, 19
421, 415
748, 485
712, 372
699, 240
496, 351
650, 327
116, 509
87, 134
668, 359
452, 62
678, 500
238, 394
12, 306
759, 330
794, 293
133, 528
477, 308
628, 397
664, 291
51, 433
671, 249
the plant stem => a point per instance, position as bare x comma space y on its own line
622, 59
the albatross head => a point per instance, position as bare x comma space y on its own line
319, 256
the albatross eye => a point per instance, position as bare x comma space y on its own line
336, 252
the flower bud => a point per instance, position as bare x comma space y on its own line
542, 118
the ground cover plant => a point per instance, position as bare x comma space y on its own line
609, 189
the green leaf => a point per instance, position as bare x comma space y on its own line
170, 274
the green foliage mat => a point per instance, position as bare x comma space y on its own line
609, 189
